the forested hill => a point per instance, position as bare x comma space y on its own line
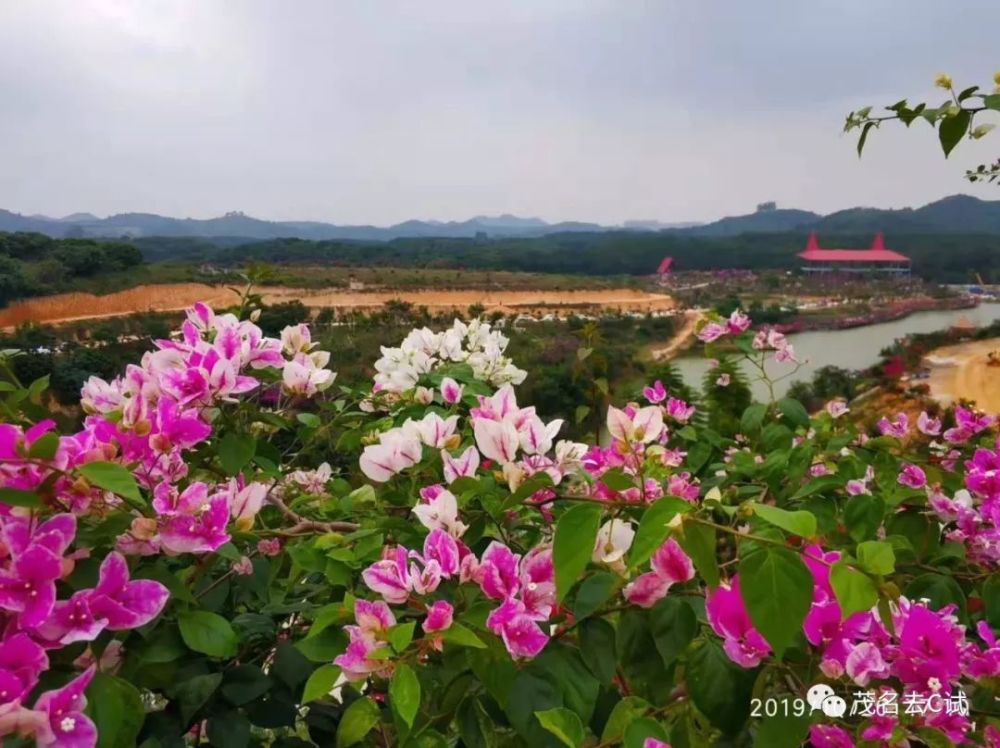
942, 257
955, 214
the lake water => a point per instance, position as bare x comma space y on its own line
856, 348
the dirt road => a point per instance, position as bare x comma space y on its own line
680, 339
178, 296
963, 371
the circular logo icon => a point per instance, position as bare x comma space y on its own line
817, 695
834, 706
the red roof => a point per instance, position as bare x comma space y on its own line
877, 252
665, 265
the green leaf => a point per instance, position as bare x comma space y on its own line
782, 731
359, 718
940, 590
228, 730
673, 626
309, 420
653, 530
876, 557
777, 588
207, 633
864, 136
617, 479
564, 724
320, 683
863, 516
462, 636
698, 541
576, 533
626, 711
720, 689
236, 451
639, 731
821, 484
794, 412
111, 477
404, 693
593, 592
245, 683
855, 591
194, 693
44, 447
116, 707
952, 129
581, 412
401, 635
597, 647
992, 102
753, 418
17, 497
801, 523
991, 598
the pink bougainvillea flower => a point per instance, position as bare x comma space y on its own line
432, 429
521, 634
390, 577
245, 500
912, 476
441, 547
22, 661
173, 427
124, 603
28, 586
897, 427
440, 512
451, 391
538, 583
440, 615
837, 408
66, 726
497, 440
641, 425
679, 410
738, 322
728, 617
373, 622
928, 425
395, 452
670, 565
865, 663
201, 532
830, 736
463, 466
711, 332
497, 573
655, 394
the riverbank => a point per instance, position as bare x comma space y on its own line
964, 372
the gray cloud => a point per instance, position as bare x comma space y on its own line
381, 111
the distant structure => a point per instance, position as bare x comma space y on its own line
874, 260
767, 207
663, 271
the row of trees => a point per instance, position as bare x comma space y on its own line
35, 264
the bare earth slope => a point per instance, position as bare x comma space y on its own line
963, 372
177, 296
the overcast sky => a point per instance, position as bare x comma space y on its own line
371, 111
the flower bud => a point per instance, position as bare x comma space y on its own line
943, 81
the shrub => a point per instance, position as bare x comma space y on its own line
235, 549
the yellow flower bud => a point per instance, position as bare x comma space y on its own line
996, 77
943, 81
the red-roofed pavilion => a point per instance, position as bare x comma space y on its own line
875, 259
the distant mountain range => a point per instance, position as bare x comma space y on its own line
954, 214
